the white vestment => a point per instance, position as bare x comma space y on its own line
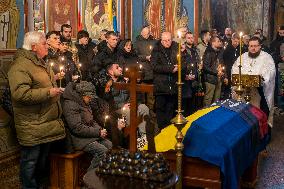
264, 66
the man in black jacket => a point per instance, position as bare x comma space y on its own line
164, 61
213, 70
107, 55
230, 55
86, 53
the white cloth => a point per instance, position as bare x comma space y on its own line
264, 66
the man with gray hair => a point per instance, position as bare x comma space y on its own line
164, 61
37, 110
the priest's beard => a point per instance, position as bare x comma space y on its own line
253, 55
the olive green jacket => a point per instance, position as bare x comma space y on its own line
36, 115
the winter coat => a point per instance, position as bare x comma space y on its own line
36, 115
103, 58
163, 61
79, 118
191, 60
212, 58
142, 47
230, 55
86, 55
125, 58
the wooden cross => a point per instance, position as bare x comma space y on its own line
133, 73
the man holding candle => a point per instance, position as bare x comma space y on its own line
144, 45
86, 133
214, 74
165, 65
36, 106
231, 53
191, 75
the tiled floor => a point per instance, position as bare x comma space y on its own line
271, 165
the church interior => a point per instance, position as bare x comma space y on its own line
141, 94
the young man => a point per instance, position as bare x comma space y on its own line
66, 33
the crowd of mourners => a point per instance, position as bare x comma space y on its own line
68, 91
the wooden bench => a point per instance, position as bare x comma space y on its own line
67, 170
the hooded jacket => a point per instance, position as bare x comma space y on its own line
36, 115
79, 118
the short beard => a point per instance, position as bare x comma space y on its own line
253, 55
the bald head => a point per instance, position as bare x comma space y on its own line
166, 39
145, 32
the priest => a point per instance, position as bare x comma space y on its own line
258, 62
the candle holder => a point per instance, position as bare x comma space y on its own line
240, 90
60, 76
179, 121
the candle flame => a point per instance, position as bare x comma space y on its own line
80, 65
140, 66
179, 34
150, 47
241, 34
126, 69
106, 117
51, 64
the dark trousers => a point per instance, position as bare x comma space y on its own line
188, 106
165, 109
33, 165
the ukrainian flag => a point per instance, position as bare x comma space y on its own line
111, 17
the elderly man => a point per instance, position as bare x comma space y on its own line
258, 62
36, 106
164, 61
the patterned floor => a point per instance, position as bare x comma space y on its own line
271, 165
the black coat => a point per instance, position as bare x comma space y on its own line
79, 118
189, 67
103, 58
125, 58
212, 58
142, 47
163, 61
86, 55
230, 55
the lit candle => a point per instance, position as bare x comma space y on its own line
106, 117
241, 34
150, 47
60, 77
140, 67
191, 68
179, 57
126, 69
51, 64
124, 114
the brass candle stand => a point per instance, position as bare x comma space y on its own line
246, 82
239, 90
179, 121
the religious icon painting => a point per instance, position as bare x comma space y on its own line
62, 12
153, 16
39, 15
96, 16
